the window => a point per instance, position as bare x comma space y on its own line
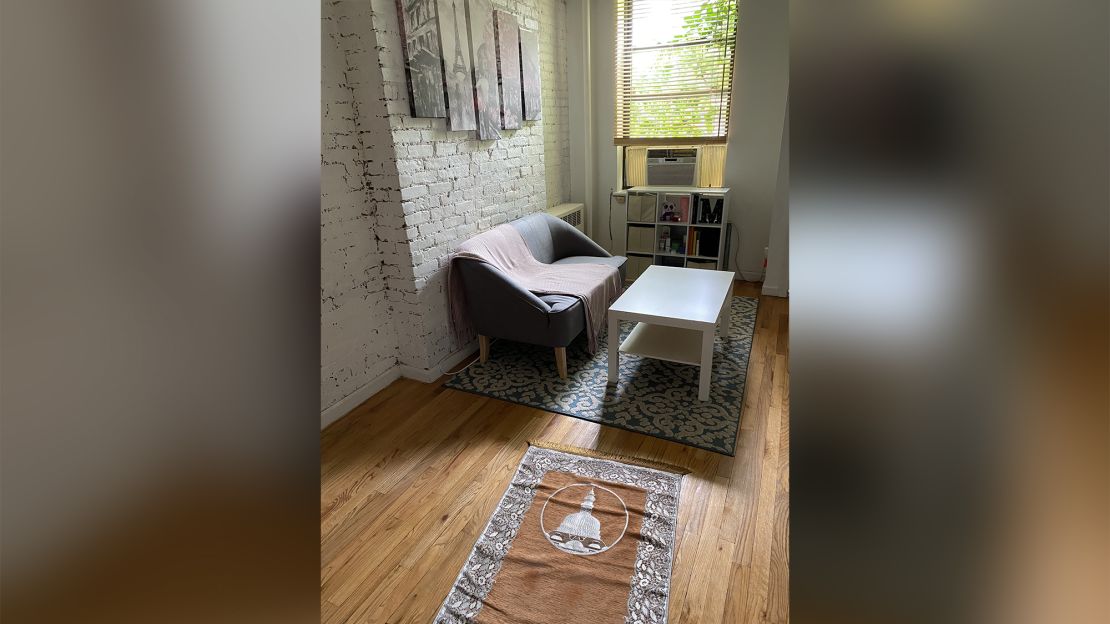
674, 71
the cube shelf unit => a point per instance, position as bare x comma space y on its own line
681, 226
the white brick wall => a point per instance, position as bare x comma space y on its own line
387, 237
358, 194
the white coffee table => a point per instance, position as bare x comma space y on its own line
677, 312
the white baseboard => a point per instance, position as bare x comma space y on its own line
775, 290
419, 374
448, 363
340, 408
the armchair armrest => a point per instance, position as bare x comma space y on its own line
568, 241
498, 306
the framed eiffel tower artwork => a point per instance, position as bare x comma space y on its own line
508, 68
423, 57
530, 73
457, 65
483, 54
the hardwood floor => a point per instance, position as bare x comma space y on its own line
410, 477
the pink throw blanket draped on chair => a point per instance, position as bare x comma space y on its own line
596, 285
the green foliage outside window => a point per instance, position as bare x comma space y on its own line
683, 90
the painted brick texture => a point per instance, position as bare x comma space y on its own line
400, 193
357, 188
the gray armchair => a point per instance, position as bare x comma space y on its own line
500, 308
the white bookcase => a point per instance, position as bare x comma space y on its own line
681, 226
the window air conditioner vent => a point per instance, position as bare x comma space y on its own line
672, 166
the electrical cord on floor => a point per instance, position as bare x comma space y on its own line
472, 362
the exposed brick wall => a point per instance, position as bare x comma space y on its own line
357, 189
400, 193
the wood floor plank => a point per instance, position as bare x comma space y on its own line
753, 607
778, 586
378, 523
342, 543
739, 523
410, 477
404, 524
695, 605
778, 598
469, 506
368, 479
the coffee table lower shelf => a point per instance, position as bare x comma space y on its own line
660, 342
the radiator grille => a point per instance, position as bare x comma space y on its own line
571, 213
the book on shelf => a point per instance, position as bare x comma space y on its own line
707, 242
695, 242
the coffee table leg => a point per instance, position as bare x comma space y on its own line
614, 348
726, 317
706, 371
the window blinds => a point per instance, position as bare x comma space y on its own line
674, 71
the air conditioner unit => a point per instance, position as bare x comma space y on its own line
574, 214
672, 166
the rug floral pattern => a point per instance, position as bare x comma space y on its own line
653, 397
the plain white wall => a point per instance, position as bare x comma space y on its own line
755, 135
760, 85
777, 281
603, 27
580, 108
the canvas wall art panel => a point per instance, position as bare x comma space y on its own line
423, 59
508, 68
457, 66
483, 55
530, 73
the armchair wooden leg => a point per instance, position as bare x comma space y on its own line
483, 348
561, 361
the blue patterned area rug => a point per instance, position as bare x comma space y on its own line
653, 397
